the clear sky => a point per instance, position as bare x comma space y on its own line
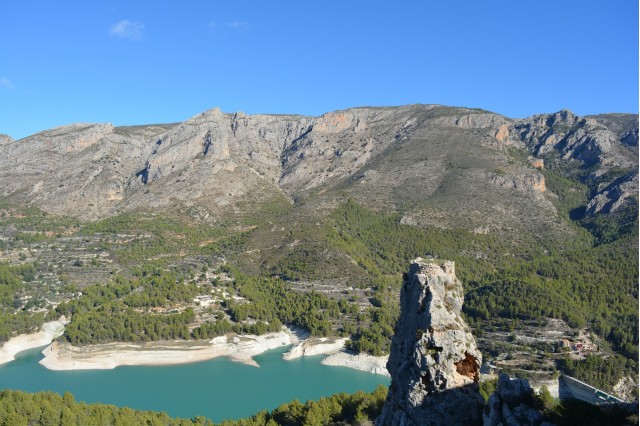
139, 62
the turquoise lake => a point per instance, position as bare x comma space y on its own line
218, 389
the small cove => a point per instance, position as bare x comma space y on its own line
218, 389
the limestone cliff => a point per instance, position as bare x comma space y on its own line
434, 362
440, 166
602, 143
615, 194
573, 137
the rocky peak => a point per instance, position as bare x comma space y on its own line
563, 117
222, 142
623, 125
434, 361
218, 162
74, 137
575, 138
512, 404
602, 142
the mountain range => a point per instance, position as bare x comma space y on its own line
435, 165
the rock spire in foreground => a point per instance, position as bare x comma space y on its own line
434, 361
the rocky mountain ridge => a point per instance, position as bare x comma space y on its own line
438, 165
589, 141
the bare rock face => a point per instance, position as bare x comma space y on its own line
573, 137
604, 143
624, 125
478, 120
630, 137
434, 361
613, 196
215, 159
79, 169
441, 166
5, 139
512, 404
531, 181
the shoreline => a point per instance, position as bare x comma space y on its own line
363, 362
334, 348
315, 346
48, 332
239, 348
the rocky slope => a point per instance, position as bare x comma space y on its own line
79, 170
599, 144
434, 362
573, 137
4, 139
625, 126
512, 404
437, 165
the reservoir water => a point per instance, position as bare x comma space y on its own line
218, 389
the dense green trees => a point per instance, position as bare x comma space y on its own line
50, 409
14, 322
110, 312
106, 313
599, 372
23, 322
272, 299
11, 283
586, 285
595, 287
110, 323
341, 408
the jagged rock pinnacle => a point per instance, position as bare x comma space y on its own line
434, 361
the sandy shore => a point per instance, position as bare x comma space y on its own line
48, 332
315, 346
63, 356
363, 362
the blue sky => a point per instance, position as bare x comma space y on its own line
138, 62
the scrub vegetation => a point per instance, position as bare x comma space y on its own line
146, 276
50, 409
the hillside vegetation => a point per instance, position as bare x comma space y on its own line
229, 223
